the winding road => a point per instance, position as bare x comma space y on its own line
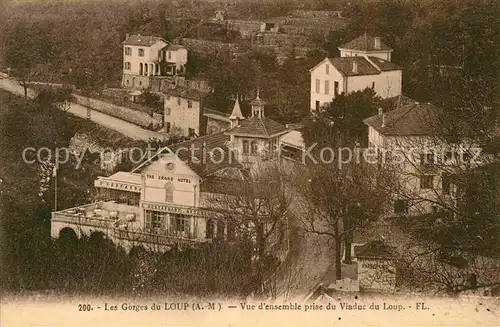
128, 129
310, 260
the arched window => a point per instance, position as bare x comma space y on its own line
210, 229
141, 68
254, 147
169, 192
246, 147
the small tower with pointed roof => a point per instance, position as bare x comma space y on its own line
236, 115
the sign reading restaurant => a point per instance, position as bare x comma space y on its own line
175, 209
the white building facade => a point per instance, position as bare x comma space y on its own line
409, 139
146, 57
355, 70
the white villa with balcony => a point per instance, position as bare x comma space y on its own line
147, 57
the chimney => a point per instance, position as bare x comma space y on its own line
380, 111
377, 43
383, 120
127, 35
355, 67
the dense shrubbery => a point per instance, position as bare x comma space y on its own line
93, 265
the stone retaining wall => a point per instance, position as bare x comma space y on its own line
133, 116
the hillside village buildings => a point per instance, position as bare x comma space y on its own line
165, 201
168, 199
364, 63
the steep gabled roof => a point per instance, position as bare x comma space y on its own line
200, 159
365, 42
204, 155
259, 127
409, 119
142, 40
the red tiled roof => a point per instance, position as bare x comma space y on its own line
142, 40
258, 126
364, 42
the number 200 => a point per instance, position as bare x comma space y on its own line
84, 307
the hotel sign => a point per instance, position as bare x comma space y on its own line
177, 210
169, 178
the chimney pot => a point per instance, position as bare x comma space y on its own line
354, 67
380, 111
383, 120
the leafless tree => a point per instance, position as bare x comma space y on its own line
256, 207
448, 192
341, 200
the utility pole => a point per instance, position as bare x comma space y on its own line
54, 175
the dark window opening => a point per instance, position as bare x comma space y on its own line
426, 181
401, 207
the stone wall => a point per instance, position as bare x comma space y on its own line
317, 13
133, 116
281, 39
132, 81
206, 47
246, 27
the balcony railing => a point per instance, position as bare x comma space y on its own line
80, 219
160, 237
155, 238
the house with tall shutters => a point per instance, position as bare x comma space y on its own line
147, 57
163, 201
365, 62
